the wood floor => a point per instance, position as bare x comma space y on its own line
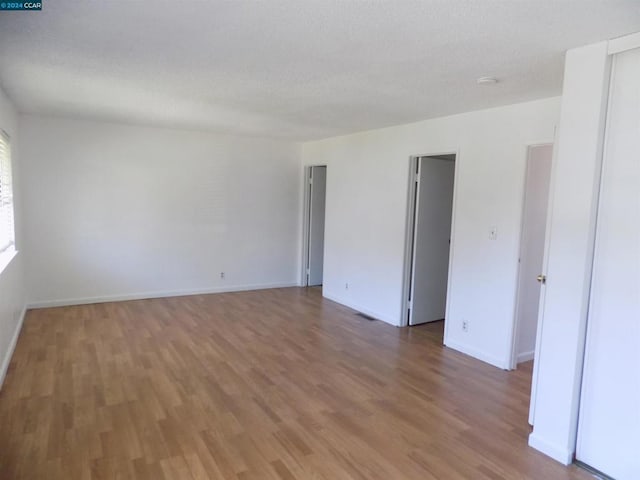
277, 384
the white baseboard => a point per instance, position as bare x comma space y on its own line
157, 294
378, 316
560, 454
525, 356
12, 346
472, 352
496, 362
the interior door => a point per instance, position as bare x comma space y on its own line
431, 240
532, 247
317, 199
609, 421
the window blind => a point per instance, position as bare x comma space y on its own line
7, 235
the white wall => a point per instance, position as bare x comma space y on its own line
12, 295
574, 184
117, 211
367, 183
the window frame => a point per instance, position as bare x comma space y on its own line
7, 207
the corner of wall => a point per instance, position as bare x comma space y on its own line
575, 178
561, 454
501, 363
6, 361
359, 308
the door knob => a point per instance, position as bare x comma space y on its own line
542, 278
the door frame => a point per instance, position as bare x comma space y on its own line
545, 262
410, 232
515, 329
306, 219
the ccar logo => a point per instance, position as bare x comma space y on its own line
20, 5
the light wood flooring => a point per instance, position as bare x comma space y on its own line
274, 385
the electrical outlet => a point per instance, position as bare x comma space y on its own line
493, 233
465, 326
346, 286
222, 275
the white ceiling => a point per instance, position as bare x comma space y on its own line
296, 69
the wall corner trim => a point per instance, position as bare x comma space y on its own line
560, 454
359, 308
525, 356
501, 363
12, 346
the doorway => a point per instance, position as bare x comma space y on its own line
313, 258
532, 244
431, 193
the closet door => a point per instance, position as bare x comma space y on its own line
609, 423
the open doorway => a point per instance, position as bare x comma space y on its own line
315, 200
431, 193
532, 244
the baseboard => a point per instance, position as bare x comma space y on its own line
160, 294
560, 454
472, 352
525, 356
371, 313
12, 346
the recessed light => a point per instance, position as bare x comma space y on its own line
487, 80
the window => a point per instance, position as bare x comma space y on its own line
7, 234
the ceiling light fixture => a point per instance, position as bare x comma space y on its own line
487, 81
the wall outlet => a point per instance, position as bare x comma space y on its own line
465, 325
493, 233
346, 286
222, 275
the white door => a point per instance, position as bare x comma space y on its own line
431, 240
318, 186
532, 247
609, 421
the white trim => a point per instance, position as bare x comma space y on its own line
360, 308
403, 321
472, 352
6, 256
306, 221
12, 346
525, 356
452, 247
157, 294
563, 455
622, 44
306, 202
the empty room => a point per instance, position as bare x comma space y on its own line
320, 239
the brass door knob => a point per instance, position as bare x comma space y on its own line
542, 278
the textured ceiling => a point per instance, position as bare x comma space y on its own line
295, 69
